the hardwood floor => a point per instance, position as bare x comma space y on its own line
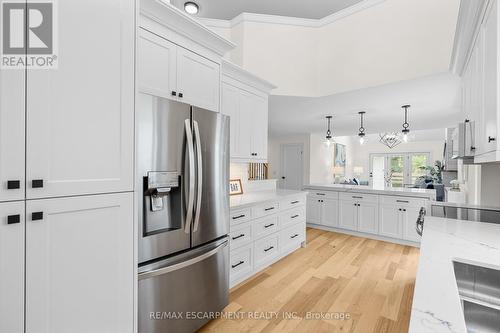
370, 281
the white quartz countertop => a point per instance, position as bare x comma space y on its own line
399, 191
252, 198
436, 304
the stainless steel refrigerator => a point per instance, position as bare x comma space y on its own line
183, 176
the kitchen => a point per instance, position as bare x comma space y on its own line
213, 166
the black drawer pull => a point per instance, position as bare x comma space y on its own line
236, 265
268, 209
36, 216
37, 183
13, 184
295, 216
238, 217
181, 95
13, 219
239, 236
357, 197
174, 93
295, 202
403, 201
269, 248
268, 225
320, 194
296, 235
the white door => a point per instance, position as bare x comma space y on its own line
198, 80
368, 217
330, 213
80, 116
156, 65
245, 129
409, 219
80, 264
390, 221
12, 267
11, 135
291, 166
313, 211
348, 214
259, 127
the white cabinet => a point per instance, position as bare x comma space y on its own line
314, 208
390, 223
79, 267
170, 71
12, 267
368, 217
398, 216
322, 211
11, 135
409, 217
348, 214
80, 116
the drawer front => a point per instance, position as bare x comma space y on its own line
293, 202
240, 235
265, 209
266, 249
240, 216
402, 201
241, 262
292, 236
361, 197
293, 216
265, 226
322, 194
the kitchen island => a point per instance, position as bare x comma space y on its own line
383, 213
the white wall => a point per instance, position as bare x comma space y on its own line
274, 155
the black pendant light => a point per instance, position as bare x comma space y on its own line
361, 133
328, 138
406, 126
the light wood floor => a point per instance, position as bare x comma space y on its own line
371, 280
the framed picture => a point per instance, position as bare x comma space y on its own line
235, 187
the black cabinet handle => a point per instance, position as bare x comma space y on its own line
403, 201
399, 209
404, 210
490, 138
13, 219
36, 216
320, 194
174, 93
296, 235
356, 197
268, 209
13, 184
294, 202
238, 217
181, 95
269, 248
37, 183
295, 216
239, 236
268, 225
236, 265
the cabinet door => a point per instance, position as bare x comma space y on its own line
80, 116
12, 267
259, 127
409, 219
12, 134
390, 221
156, 65
313, 211
368, 217
198, 80
245, 126
330, 212
348, 214
230, 107
80, 264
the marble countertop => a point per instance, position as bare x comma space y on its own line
252, 198
464, 205
436, 304
399, 191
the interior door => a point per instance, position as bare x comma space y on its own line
80, 264
12, 225
211, 138
291, 166
80, 116
348, 214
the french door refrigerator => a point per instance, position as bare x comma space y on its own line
183, 175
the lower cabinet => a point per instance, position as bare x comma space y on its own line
390, 221
368, 217
409, 217
348, 215
323, 210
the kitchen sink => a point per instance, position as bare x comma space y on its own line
479, 290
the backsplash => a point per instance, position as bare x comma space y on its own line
240, 171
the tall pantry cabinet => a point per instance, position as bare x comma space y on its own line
66, 178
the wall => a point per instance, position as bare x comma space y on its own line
490, 185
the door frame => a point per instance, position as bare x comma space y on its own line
407, 162
282, 164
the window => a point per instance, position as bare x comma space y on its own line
397, 170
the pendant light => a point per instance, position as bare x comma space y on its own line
390, 139
328, 138
406, 126
361, 133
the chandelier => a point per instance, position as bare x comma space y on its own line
391, 139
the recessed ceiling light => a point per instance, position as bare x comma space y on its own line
191, 8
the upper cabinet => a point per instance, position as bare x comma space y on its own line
245, 99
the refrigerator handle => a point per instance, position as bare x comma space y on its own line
190, 193
199, 173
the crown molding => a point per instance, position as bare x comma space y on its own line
183, 24
470, 17
287, 20
236, 72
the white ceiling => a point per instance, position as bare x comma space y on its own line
228, 9
435, 103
